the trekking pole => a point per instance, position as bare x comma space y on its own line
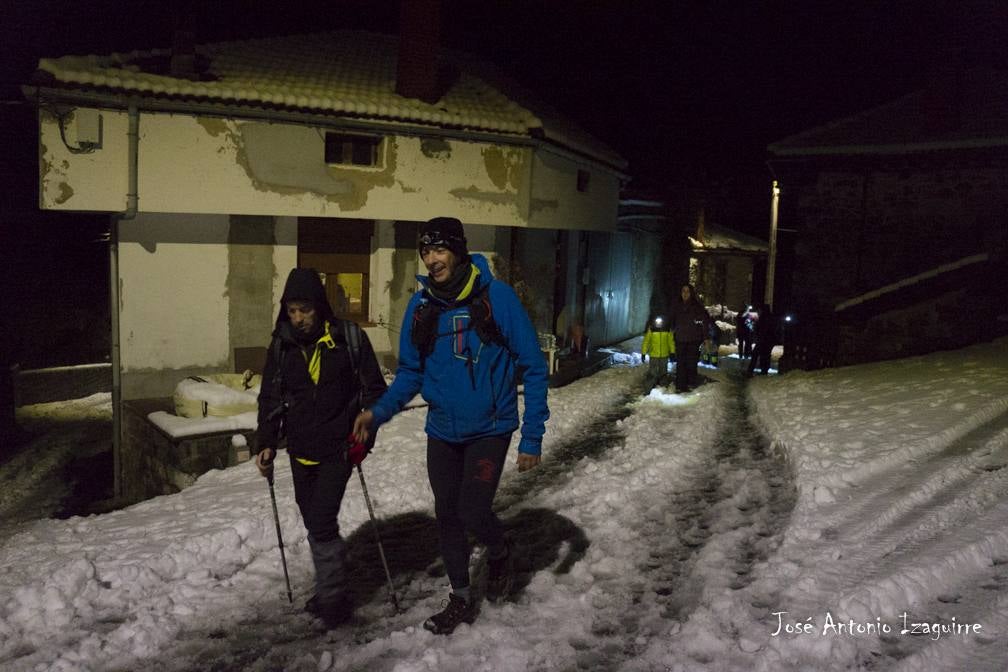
276, 519
381, 549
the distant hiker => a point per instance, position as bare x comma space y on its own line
690, 324
659, 346
319, 372
713, 342
766, 339
578, 341
744, 331
465, 339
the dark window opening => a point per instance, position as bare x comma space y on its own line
582, 180
351, 150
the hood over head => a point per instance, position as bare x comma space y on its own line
304, 284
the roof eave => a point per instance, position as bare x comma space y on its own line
151, 103
890, 149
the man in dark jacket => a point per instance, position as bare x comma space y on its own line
766, 339
311, 393
465, 337
690, 323
744, 331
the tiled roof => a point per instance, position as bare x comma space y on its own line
717, 237
343, 73
969, 110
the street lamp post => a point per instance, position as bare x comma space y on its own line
772, 259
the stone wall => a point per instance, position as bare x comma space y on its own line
37, 386
863, 227
153, 463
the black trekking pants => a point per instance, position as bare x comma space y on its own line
318, 491
464, 478
687, 356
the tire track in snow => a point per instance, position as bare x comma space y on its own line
939, 530
717, 511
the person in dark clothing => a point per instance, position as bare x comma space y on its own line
310, 394
464, 340
690, 324
744, 331
766, 339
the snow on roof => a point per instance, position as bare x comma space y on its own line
717, 237
970, 110
347, 73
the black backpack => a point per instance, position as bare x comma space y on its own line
424, 332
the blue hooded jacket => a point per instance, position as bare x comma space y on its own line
465, 404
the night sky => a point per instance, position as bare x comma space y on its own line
690, 93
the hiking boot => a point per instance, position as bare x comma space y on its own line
500, 575
332, 614
458, 611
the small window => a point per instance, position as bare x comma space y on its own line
582, 180
351, 150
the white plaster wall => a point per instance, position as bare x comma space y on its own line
212, 165
382, 248
94, 181
208, 165
556, 202
173, 306
284, 255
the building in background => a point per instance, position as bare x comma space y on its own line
899, 215
726, 266
222, 166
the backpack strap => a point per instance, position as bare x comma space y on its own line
483, 323
352, 336
423, 330
277, 352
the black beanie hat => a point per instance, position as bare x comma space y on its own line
444, 232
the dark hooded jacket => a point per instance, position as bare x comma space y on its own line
689, 320
319, 416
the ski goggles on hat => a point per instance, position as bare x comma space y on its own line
438, 239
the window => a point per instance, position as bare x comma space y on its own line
582, 180
352, 150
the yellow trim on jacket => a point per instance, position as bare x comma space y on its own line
315, 368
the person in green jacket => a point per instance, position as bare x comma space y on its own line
659, 346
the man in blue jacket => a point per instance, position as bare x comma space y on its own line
464, 340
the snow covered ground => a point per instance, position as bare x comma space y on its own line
784, 523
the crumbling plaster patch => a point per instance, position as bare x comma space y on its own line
507, 168
290, 160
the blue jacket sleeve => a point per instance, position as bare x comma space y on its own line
524, 345
408, 379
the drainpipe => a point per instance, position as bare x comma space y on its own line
132, 200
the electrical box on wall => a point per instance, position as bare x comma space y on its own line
88, 127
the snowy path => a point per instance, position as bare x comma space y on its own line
941, 505
642, 509
659, 535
